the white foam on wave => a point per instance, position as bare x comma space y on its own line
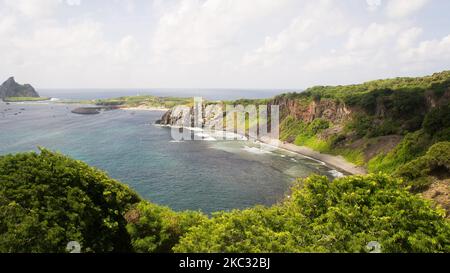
336, 173
255, 150
204, 136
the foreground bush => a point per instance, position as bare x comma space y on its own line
155, 228
343, 215
48, 200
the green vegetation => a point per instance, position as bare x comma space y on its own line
328, 216
24, 99
147, 101
48, 199
415, 108
365, 94
435, 162
158, 229
412, 146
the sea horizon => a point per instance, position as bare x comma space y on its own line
207, 93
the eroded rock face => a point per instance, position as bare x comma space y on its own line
330, 110
212, 115
435, 101
10, 88
181, 116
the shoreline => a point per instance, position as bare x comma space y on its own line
335, 161
144, 109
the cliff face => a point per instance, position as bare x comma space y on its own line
330, 110
183, 116
10, 88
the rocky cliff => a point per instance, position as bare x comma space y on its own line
10, 88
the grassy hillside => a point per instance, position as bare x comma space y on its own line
145, 101
383, 125
25, 99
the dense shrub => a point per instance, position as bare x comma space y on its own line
361, 124
436, 161
48, 200
328, 216
437, 119
412, 146
155, 228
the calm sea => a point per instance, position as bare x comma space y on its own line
211, 94
198, 175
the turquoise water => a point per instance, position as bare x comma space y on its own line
205, 175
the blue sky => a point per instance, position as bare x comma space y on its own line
220, 43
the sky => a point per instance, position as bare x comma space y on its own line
220, 43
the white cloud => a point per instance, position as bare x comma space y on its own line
404, 8
372, 37
316, 23
73, 2
33, 8
126, 49
223, 43
373, 5
429, 51
196, 31
409, 37
8, 25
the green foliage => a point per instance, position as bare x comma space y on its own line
155, 228
435, 162
437, 120
411, 147
355, 156
146, 100
328, 216
48, 200
22, 99
438, 82
290, 128
361, 124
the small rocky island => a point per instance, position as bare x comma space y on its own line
11, 89
87, 110
93, 110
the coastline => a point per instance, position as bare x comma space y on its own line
335, 161
144, 108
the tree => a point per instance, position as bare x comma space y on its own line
48, 200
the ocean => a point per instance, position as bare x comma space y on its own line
210, 94
197, 175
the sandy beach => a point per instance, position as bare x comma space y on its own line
145, 108
337, 162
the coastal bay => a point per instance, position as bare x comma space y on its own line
205, 175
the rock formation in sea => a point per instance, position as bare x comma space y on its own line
183, 116
10, 88
87, 110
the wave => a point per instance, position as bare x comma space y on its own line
255, 150
336, 173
